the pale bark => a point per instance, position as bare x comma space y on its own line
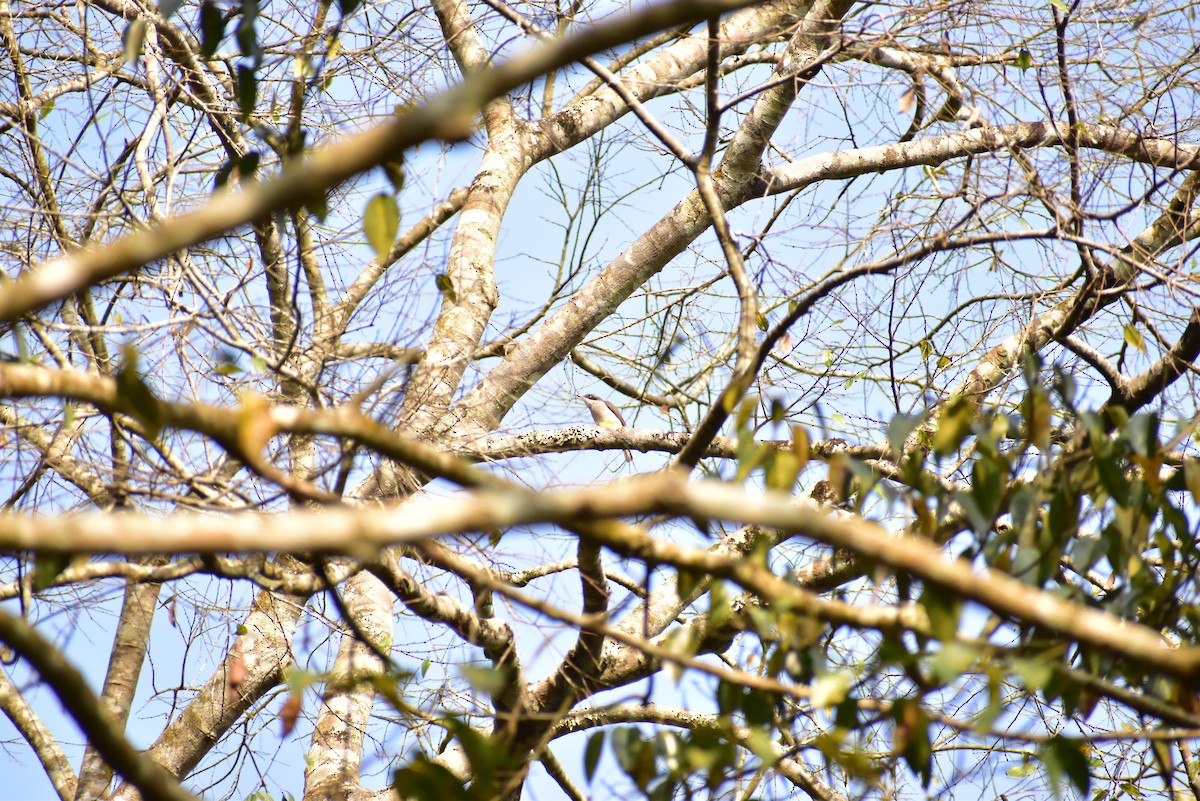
125, 662
264, 650
336, 751
43, 742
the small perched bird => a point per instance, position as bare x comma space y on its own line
605, 415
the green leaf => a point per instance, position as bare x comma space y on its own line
751, 454
783, 468
247, 91
1131, 790
778, 411
729, 698
446, 287
318, 207
830, 689
46, 109
1065, 756
248, 165
212, 29
491, 681
47, 569
846, 716
719, 608
380, 222
762, 745
952, 661
761, 322
1134, 338
167, 8
1112, 478
1035, 673
953, 426
1036, 408
1024, 59
1141, 432
591, 754
221, 178
1066, 387
1191, 475
1064, 514
134, 34
134, 396
982, 504
487, 757
1021, 771
245, 34
759, 707
900, 427
995, 704
686, 582
428, 781
1060, 5
943, 609
911, 734
394, 170
635, 755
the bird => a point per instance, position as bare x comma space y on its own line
605, 415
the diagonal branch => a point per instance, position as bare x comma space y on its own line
41, 740
85, 709
1134, 393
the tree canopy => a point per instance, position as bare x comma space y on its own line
897, 304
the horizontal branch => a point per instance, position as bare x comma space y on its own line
587, 437
360, 532
936, 150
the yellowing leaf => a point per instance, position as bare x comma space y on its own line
953, 426
801, 444
1134, 339
1037, 418
782, 471
134, 34
380, 222
830, 689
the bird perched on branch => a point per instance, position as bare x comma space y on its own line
605, 415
